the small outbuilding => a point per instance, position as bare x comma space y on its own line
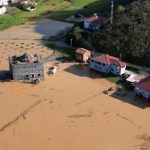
82, 54
143, 88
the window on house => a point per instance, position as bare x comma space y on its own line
27, 76
39, 75
32, 75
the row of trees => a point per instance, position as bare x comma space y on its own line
129, 35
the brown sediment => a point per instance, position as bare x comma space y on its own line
21, 115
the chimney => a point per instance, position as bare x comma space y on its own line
95, 15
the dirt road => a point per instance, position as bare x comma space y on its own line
36, 30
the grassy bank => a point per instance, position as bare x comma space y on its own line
85, 7
15, 16
60, 9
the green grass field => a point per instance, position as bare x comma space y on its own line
85, 7
60, 9
113, 79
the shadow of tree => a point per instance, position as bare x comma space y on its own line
130, 98
99, 6
5, 76
83, 70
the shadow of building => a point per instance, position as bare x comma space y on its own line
130, 98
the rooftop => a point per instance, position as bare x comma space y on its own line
94, 19
82, 51
26, 58
144, 84
107, 59
135, 78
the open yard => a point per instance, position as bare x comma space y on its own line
69, 111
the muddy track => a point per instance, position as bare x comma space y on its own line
21, 115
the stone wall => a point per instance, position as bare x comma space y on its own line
27, 71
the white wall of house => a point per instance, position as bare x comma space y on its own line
86, 24
99, 66
114, 69
85, 58
117, 70
123, 70
139, 91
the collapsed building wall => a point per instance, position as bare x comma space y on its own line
27, 71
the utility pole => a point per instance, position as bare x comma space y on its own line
71, 42
112, 12
120, 56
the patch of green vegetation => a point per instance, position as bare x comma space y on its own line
113, 79
128, 35
67, 57
85, 7
15, 16
66, 53
52, 46
135, 70
7, 21
60, 9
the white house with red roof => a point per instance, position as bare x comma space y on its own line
107, 64
93, 22
143, 88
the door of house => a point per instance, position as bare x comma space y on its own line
33, 76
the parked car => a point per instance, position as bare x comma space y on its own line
53, 69
78, 16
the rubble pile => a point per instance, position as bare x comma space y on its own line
26, 5
3, 9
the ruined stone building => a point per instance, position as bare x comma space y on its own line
26, 67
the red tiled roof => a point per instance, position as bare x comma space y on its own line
107, 59
93, 19
144, 84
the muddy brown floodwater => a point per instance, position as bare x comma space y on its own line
67, 111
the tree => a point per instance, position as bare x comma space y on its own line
129, 34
